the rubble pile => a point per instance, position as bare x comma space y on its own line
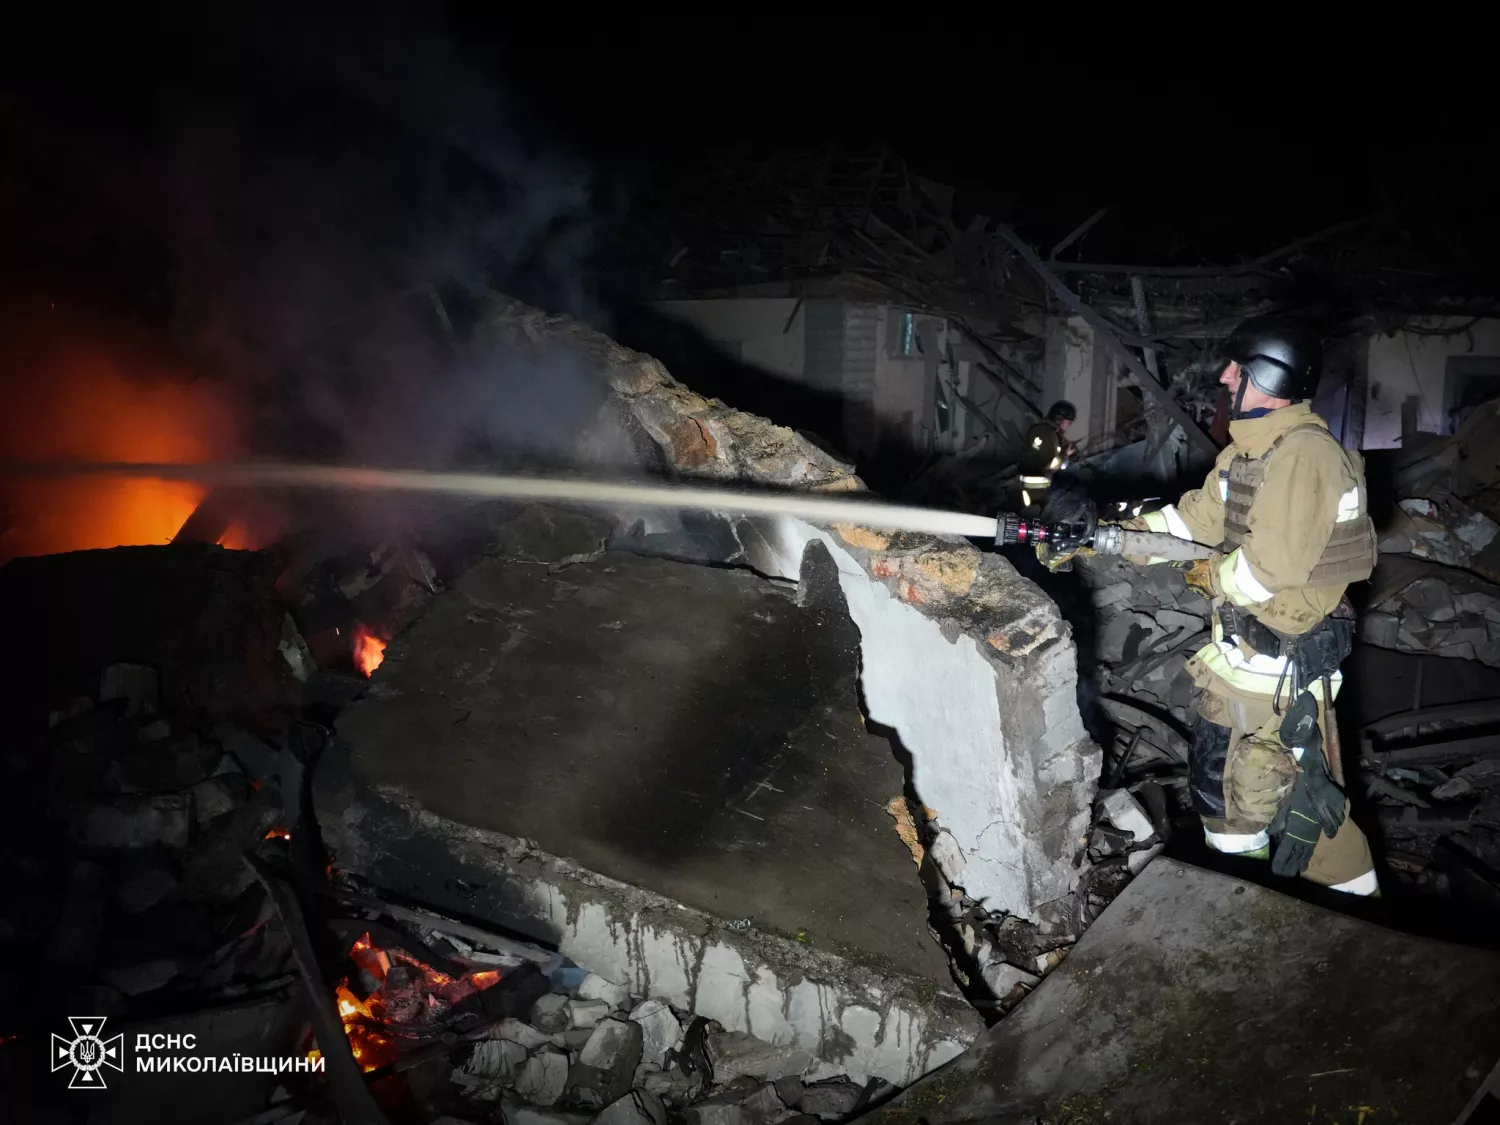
589, 1051
1434, 776
1436, 588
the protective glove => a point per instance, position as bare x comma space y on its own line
1203, 576
1316, 803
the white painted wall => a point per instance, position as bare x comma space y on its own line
1409, 363
1076, 369
903, 399
754, 323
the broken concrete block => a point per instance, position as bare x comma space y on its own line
1452, 789
165, 766
492, 1061
762, 1107
948, 856
543, 1077
1002, 978
147, 976
215, 869
672, 1086
257, 758
587, 1013
595, 987
134, 683
833, 1099
606, 1065
134, 822
146, 882
218, 795
639, 1107
550, 1014
519, 1114
660, 1030
1379, 629
294, 650
523, 1033
1122, 810
737, 1055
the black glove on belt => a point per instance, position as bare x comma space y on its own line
1316, 803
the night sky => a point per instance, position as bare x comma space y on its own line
359, 99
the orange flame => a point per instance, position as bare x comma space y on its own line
369, 651
277, 834
363, 1020
85, 407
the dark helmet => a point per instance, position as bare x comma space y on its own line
1281, 357
1062, 411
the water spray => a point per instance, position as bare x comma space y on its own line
1004, 530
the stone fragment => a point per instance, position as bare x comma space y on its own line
492, 1061
550, 1014
606, 1065
595, 987
1122, 810
1002, 979
1453, 789
257, 758
1379, 629
673, 1086
735, 1054
660, 1030
543, 1077
831, 1100
639, 1107
761, 1107
133, 821
215, 869
518, 1114
134, 683
587, 1013
518, 1031
218, 795
164, 766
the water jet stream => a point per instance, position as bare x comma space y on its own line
819, 508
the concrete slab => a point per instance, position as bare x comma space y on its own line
1199, 997
688, 730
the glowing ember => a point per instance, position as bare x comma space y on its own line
278, 834
408, 1004
369, 650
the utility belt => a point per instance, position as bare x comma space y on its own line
1310, 656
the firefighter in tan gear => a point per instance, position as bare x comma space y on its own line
1286, 505
1045, 451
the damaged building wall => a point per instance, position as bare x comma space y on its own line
1078, 369
1441, 364
891, 365
968, 663
767, 332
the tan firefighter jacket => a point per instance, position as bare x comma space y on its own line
1287, 506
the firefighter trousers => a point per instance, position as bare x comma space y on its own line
1240, 773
